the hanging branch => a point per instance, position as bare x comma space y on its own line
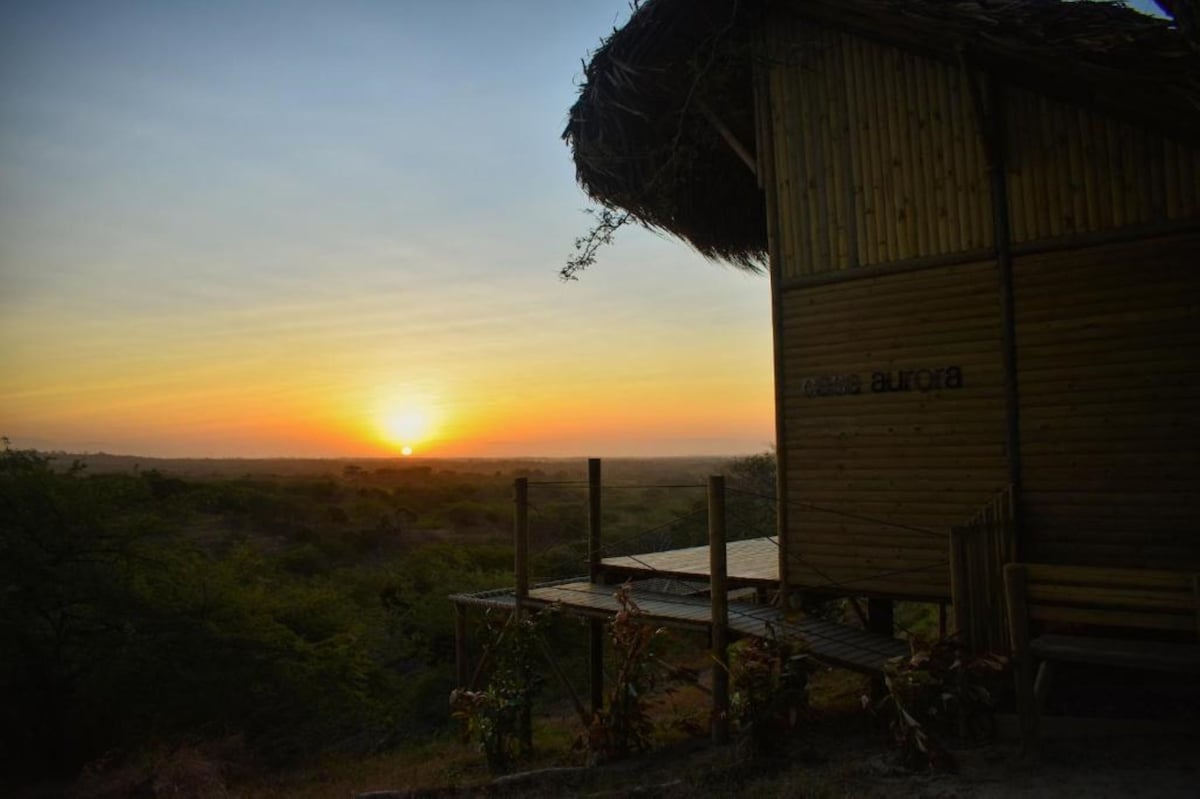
607, 223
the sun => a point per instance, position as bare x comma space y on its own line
406, 427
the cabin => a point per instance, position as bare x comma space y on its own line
981, 224
980, 221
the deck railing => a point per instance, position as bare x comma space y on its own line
979, 550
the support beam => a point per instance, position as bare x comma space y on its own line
521, 540
765, 143
959, 587
521, 592
734, 143
986, 93
595, 575
881, 616
720, 608
552, 661
462, 665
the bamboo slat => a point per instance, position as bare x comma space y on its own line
1190, 184
873, 234
891, 163
1084, 595
1057, 168
1109, 391
1087, 165
852, 160
1099, 136
1091, 616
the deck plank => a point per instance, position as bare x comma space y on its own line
837, 644
752, 561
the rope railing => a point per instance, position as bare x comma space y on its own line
615, 547
586, 546
799, 504
665, 536
734, 611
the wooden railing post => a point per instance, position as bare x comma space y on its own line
521, 540
595, 575
720, 609
959, 586
462, 666
881, 616
521, 592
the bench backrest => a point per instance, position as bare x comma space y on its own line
1131, 598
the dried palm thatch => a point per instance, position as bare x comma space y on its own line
641, 132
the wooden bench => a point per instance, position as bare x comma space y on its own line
1086, 597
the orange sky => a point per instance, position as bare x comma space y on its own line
219, 242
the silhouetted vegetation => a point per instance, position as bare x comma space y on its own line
298, 614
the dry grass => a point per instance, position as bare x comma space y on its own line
682, 714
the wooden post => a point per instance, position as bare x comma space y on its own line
987, 96
462, 666
1196, 595
1015, 586
720, 608
958, 586
881, 616
521, 540
521, 567
595, 575
764, 123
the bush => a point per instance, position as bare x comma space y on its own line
117, 631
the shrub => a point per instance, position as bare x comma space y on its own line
945, 692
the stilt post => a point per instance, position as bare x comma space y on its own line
959, 587
462, 665
595, 575
521, 564
720, 608
881, 616
521, 540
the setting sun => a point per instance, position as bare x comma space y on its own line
406, 427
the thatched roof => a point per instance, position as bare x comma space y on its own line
642, 141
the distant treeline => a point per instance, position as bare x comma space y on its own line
299, 614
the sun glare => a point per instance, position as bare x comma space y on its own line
406, 427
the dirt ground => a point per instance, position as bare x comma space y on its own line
844, 760
1154, 766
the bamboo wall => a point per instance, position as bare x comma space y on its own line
1109, 374
920, 459
877, 153
880, 160
1074, 171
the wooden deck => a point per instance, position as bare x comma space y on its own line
836, 644
754, 561
671, 589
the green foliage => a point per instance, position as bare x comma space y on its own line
942, 693
496, 716
625, 726
751, 490
769, 691
117, 628
140, 609
419, 618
